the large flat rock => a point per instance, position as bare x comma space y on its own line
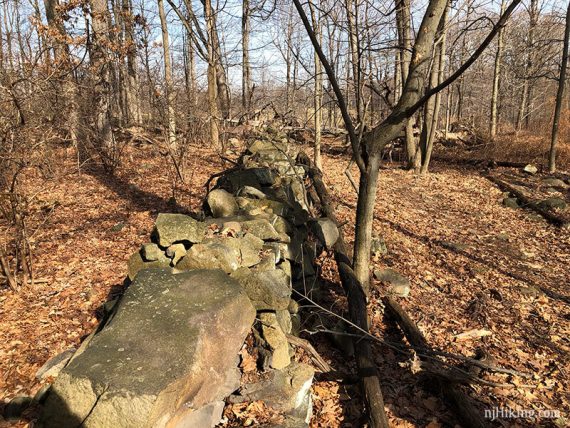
166, 358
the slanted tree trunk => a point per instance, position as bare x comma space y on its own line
559, 96
170, 115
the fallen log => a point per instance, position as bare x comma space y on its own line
358, 313
550, 216
469, 415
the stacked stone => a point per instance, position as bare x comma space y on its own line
256, 232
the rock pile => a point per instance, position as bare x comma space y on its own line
168, 354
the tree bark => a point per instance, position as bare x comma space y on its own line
352, 21
497, 79
170, 96
132, 86
100, 63
436, 79
318, 95
403, 17
358, 314
525, 103
559, 96
212, 78
246, 68
62, 58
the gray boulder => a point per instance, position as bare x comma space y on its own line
267, 290
54, 365
530, 169
136, 263
246, 248
276, 339
176, 252
151, 252
553, 203
511, 202
326, 231
211, 254
399, 284
260, 228
554, 182
167, 358
379, 247
222, 203
172, 228
254, 177
287, 390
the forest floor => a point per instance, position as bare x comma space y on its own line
473, 264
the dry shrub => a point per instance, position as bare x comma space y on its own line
24, 150
529, 147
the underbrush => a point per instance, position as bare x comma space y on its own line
524, 147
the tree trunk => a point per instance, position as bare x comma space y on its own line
170, 96
352, 20
190, 70
101, 72
436, 79
318, 96
212, 80
403, 14
559, 96
497, 80
524, 108
132, 86
223, 89
246, 72
61, 54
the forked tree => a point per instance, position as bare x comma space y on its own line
367, 152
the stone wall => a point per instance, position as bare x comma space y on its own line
168, 354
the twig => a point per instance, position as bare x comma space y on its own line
322, 365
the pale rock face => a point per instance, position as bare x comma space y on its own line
172, 228
276, 339
169, 348
222, 203
326, 231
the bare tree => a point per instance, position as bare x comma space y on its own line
246, 67
212, 77
403, 17
559, 95
318, 96
497, 79
63, 60
100, 65
170, 115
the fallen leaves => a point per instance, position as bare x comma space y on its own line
472, 334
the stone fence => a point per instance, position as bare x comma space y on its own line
170, 352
